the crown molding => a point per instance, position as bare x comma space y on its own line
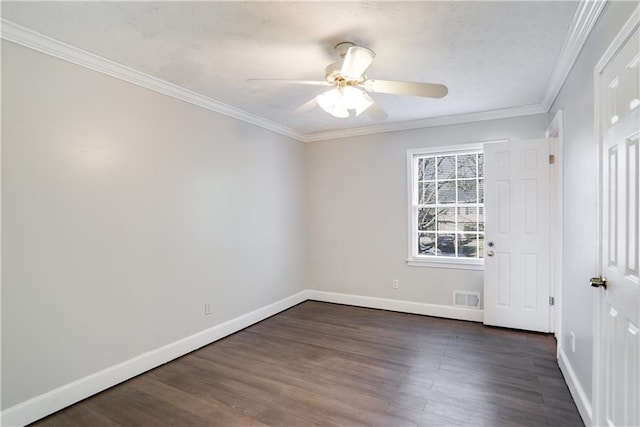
37, 41
625, 32
585, 18
524, 110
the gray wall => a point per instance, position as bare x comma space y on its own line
123, 212
576, 99
358, 212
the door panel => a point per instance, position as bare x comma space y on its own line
633, 235
503, 261
530, 281
517, 233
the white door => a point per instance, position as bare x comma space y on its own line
617, 340
516, 265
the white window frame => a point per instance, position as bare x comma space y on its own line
412, 196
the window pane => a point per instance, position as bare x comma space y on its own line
467, 166
426, 243
446, 192
426, 193
427, 219
446, 219
426, 168
449, 209
467, 191
447, 244
468, 245
467, 219
446, 167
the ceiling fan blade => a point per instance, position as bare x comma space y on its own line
428, 90
294, 82
356, 62
374, 112
307, 106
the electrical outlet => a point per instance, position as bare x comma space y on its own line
207, 309
395, 284
573, 342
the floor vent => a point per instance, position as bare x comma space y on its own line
466, 299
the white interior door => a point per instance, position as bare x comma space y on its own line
516, 266
617, 338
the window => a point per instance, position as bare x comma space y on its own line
447, 206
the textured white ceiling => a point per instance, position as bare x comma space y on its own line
491, 55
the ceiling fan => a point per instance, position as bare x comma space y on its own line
351, 87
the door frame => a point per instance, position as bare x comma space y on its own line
618, 42
555, 130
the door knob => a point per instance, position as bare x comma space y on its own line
490, 253
598, 282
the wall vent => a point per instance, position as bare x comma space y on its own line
466, 299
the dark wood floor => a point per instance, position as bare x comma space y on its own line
327, 364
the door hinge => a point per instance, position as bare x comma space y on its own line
552, 159
552, 301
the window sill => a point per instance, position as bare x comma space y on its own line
445, 263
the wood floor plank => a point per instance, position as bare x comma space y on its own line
212, 411
335, 365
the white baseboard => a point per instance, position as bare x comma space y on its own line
447, 311
577, 392
45, 404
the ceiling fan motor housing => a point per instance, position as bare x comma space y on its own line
351, 55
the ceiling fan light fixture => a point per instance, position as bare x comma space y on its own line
356, 99
338, 102
333, 103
